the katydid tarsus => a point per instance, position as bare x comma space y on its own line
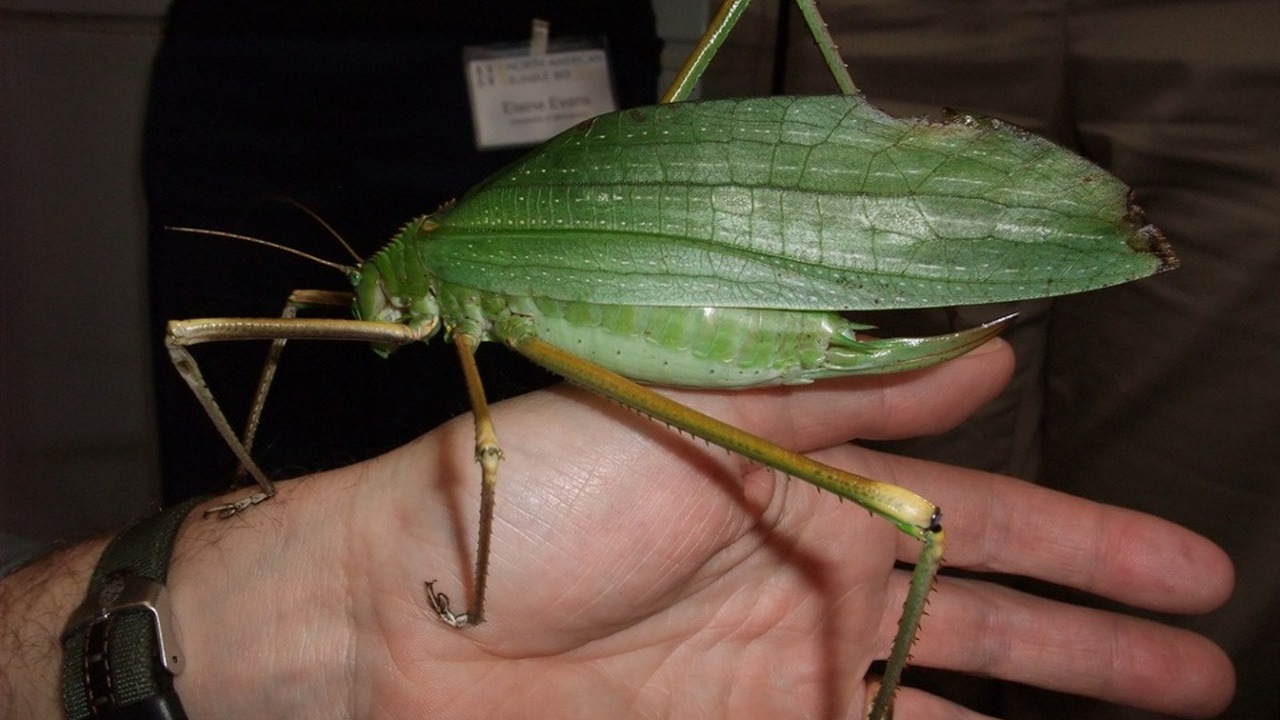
713, 244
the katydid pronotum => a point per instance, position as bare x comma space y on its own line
713, 244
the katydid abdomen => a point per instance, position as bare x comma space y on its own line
707, 347
692, 347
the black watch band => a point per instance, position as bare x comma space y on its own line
120, 648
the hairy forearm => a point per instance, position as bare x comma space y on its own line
35, 603
227, 580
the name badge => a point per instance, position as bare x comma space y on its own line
525, 93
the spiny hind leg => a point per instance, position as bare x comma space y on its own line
488, 454
912, 514
923, 578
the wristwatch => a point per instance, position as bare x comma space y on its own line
121, 648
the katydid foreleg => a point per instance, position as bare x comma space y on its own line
181, 334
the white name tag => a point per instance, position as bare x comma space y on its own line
518, 98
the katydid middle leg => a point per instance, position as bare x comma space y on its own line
488, 454
298, 301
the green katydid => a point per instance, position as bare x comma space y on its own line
713, 244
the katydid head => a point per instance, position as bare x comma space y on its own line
392, 286
386, 287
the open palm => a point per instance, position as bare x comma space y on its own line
640, 573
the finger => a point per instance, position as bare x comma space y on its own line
1000, 524
920, 705
1011, 526
990, 630
1004, 525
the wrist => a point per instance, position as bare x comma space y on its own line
121, 649
35, 602
259, 605
260, 602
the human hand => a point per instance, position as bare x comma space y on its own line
637, 572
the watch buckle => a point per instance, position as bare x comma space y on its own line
122, 593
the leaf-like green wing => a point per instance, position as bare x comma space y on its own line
801, 203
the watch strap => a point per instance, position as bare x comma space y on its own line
120, 649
